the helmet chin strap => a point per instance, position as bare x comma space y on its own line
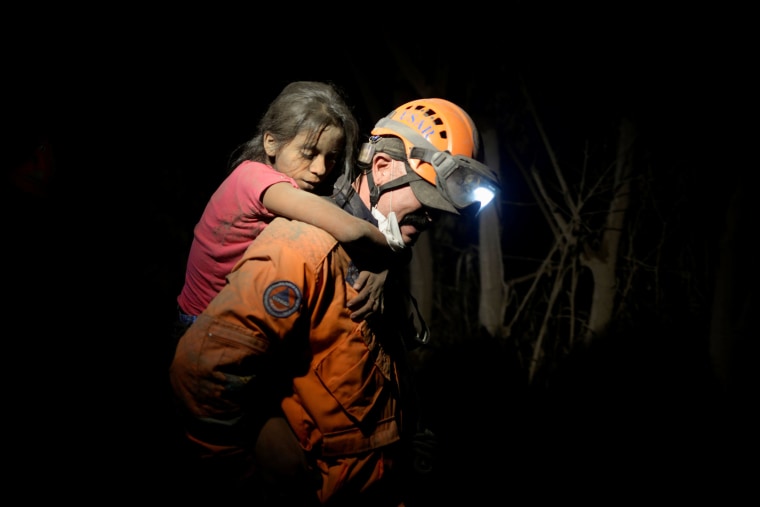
388, 224
375, 191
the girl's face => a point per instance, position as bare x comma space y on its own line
307, 163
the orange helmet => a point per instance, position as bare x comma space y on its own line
441, 143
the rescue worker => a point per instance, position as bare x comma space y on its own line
286, 399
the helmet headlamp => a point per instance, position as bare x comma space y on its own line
462, 180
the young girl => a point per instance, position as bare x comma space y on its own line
305, 133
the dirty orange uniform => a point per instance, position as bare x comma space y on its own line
280, 330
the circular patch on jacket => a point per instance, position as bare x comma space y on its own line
282, 299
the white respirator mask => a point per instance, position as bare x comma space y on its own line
390, 229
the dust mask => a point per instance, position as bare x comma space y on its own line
390, 229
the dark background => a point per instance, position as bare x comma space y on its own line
141, 112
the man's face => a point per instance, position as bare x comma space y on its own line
412, 216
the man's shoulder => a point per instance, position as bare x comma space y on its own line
298, 235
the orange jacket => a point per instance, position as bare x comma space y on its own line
282, 317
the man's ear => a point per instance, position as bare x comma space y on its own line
270, 144
381, 168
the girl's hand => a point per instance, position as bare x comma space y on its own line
369, 300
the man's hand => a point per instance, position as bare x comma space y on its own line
369, 300
424, 452
282, 473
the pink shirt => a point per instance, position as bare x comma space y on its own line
233, 217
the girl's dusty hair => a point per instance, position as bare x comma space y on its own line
311, 106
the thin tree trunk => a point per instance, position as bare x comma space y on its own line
735, 298
602, 261
493, 290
